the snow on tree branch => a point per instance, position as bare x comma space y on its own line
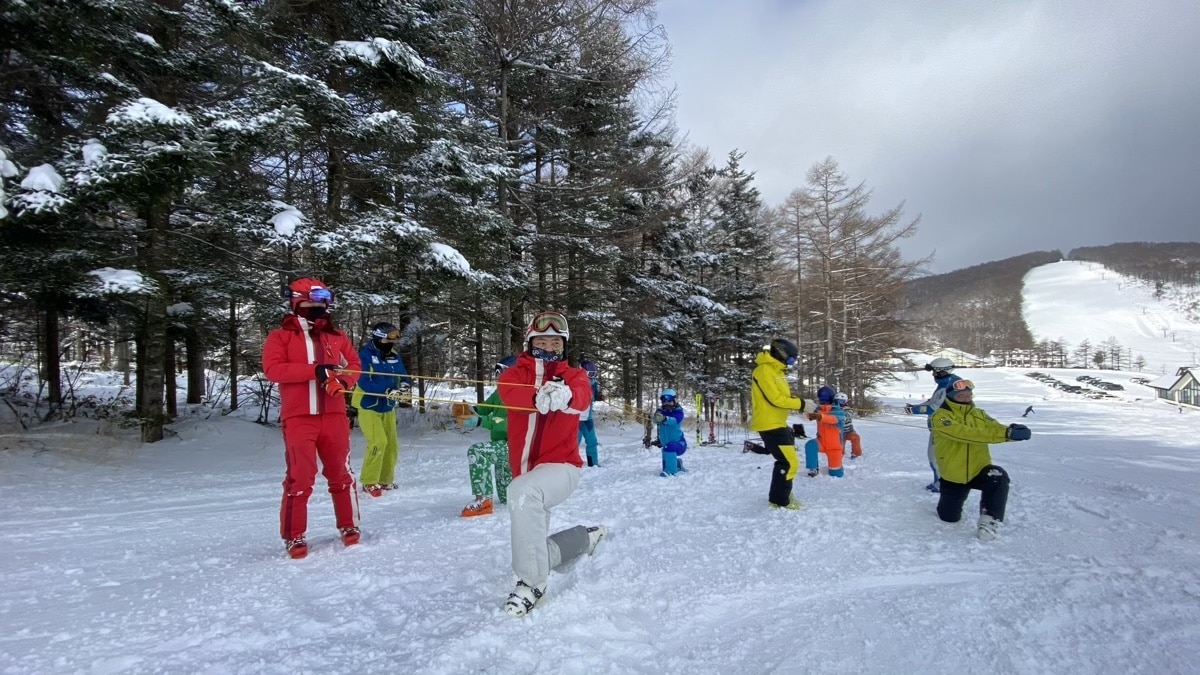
147, 111
379, 50
110, 280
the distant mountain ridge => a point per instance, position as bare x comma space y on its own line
978, 308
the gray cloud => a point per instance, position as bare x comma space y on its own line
1008, 126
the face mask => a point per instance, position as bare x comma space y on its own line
545, 355
312, 313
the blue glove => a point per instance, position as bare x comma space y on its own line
1018, 432
677, 447
659, 417
471, 422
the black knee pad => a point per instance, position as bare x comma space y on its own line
996, 475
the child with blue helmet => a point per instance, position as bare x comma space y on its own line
669, 418
587, 423
943, 376
829, 419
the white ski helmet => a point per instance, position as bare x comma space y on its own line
940, 366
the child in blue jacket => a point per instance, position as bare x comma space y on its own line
943, 376
587, 421
669, 418
376, 395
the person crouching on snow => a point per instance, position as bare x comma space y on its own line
961, 434
486, 459
669, 418
545, 397
829, 435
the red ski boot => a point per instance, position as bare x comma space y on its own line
350, 535
296, 548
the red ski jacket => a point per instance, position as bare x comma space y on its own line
290, 355
534, 438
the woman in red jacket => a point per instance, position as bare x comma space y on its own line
305, 356
543, 451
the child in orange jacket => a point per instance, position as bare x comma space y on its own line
829, 435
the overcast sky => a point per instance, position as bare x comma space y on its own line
1008, 126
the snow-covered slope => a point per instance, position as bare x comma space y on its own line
1076, 301
166, 559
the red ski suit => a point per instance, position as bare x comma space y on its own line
534, 438
314, 422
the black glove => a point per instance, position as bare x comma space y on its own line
323, 371
1018, 432
798, 431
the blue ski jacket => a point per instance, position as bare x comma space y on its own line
384, 372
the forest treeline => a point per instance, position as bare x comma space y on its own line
451, 166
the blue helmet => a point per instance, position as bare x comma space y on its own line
668, 396
590, 366
825, 394
504, 364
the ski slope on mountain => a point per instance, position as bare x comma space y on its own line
1077, 300
166, 558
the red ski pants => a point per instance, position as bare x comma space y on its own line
855, 443
307, 438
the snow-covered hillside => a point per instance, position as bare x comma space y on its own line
166, 558
1076, 301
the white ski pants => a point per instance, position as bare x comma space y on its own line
530, 498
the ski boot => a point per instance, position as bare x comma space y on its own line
350, 535
792, 505
479, 507
296, 548
521, 601
596, 534
988, 527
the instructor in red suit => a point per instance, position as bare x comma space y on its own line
306, 357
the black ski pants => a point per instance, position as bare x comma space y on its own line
992, 482
781, 444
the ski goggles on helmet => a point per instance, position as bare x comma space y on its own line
391, 335
317, 294
667, 398
549, 321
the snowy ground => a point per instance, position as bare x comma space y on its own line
166, 559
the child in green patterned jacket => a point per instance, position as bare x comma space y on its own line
491, 457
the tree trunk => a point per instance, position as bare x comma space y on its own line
52, 357
233, 355
195, 364
479, 371
170, 388
152, 338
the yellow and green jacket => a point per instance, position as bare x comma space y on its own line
770, 397
961, 434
